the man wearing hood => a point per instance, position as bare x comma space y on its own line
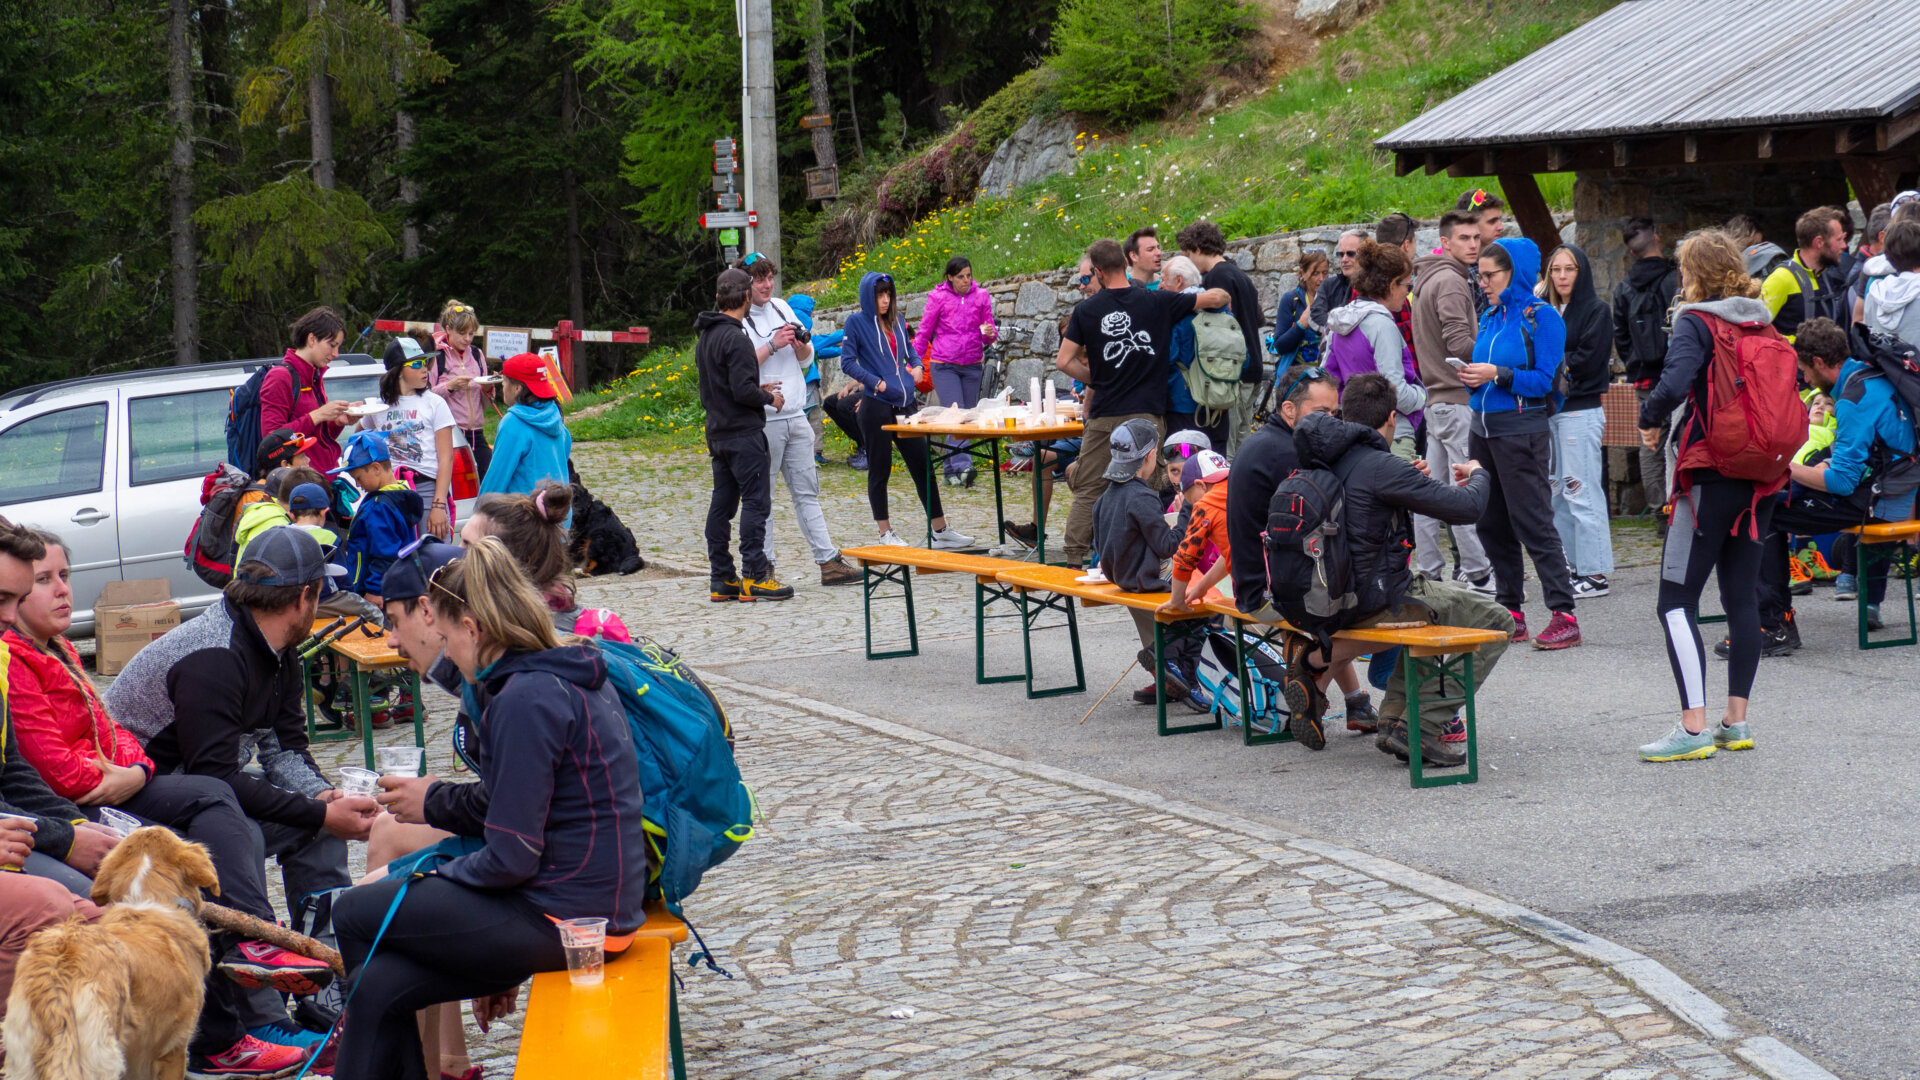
1642, 307
1516, 356
1382, 493
734, 403
1760, 254
1579, 489
1444, 325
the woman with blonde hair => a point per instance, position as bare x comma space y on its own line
454, 369
1718, 522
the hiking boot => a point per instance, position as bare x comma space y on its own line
1306, 704
1846, 587
1732, 736
891, 539
250, 1058
1519, 627
1799, 582
1873, 618
1026, 534
1562, 632
255, 964
1362, 717
858, 462
835, 571
1393, 740
948, 539
1586, 588
1454, 730
1816, 563
767, 588
1679, 745
721, 592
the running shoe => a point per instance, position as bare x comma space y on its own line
286, 1034
858, 462
892, 539
949, 539
1732, 736
1454, 730
767, 588
1816, 563
1562, 632
256, 964
1679, 745
1482, 584
1846, 587
250, 1058
1799, 581
1873, 618
1589, 587
1176, 686
1519, 627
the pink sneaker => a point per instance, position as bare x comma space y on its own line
256, 964
1563, 632
249, 1058
1519, 627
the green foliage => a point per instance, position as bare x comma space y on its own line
360, 49
1128, 60
278, 239
660, 397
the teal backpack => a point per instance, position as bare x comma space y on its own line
697, 811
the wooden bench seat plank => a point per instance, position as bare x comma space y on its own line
1061, 579
1890, 532
929, 561
618, 1030
662, 923
1420, 640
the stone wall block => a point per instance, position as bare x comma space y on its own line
1034, 299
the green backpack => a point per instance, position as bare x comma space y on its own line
1219, 355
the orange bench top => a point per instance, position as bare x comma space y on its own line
1061, 579
929, 561
366, 646
662, 923
616, 1029
1419, 640
1892, 530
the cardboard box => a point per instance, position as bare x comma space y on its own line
127, 616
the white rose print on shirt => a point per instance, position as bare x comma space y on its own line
1126, 341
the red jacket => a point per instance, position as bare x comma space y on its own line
61, 727
279, 409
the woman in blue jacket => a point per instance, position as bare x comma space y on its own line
562, 836
532, 443
1521, 345
877, 353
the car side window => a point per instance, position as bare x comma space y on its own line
176, 436
54, 455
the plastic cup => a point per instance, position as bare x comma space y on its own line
585, 941
124, 824
357, 781
407, 761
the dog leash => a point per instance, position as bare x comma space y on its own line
348, 997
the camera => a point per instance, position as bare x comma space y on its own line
801, 334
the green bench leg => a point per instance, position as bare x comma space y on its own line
984, 596
1243, 672
1705, 619
1213, 723
1415, 669
1867, 560
673, 1028
871, 582
1030, 610
363, 710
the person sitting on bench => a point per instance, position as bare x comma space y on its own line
1382, 493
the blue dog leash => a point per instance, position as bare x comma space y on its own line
392, 909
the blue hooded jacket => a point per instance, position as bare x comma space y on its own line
1520, 399
867, 361
531, 445
825, 346
387, 520
563, 788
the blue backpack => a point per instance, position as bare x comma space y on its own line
243, 416
698, 811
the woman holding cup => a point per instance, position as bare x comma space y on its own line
954, 334
563, 838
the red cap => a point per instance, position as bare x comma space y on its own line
530, 369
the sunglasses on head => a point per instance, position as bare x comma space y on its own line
1311, 373
1478, 197
752, 257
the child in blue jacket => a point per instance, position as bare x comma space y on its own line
532, 443
387, 520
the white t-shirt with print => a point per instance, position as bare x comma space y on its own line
410, 427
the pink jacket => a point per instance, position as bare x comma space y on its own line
952, 324
469, 406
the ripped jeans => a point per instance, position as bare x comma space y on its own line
1579, 493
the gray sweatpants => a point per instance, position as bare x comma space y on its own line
790, 445
1447, 446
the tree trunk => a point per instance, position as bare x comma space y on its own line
320, 106
216, 80
403, 142
823, 155
576, 286
185, 268
853, 107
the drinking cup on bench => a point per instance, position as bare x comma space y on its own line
404, 761
124, 824
585, 941
357, 781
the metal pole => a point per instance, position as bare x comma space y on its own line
747, 130
763, 178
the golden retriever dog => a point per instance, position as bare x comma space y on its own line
118, 997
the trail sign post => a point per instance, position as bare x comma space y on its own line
728, 200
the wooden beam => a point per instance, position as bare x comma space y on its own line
1559, 157
1691, 153
1896, 131
1873, 181
1404, 163
1489, 165
1529, 208
1853, 137
1622, 153
1764, 145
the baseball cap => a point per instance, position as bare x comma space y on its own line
410, 576
735, 276
1129, 445
307, 498
1186, 442
1205, 467
281, 446
364, 448
292, 557
530, 369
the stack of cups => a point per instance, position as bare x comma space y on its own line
585, 941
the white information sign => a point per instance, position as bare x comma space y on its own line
504, 343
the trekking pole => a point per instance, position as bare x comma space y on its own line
321, 634
1131, 664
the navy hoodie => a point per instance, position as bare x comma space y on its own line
869, 359
387, 520
563, 808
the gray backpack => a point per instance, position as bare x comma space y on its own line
1219, 355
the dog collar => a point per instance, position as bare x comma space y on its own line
186, 905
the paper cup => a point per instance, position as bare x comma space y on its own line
124, 824
357, 781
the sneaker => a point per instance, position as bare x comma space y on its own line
721, 592
255, 964
1306, 704
767, 588
1816, 563
892, 539
819, 458
1026, 534
1846, 587
858, 462
1783, 640
1732, 736
1482, 584
1177, 688
1454, 730
835, 571
948, 539
1724, 647
1197, 698
968, 476
1393, 740
1362, 717
1799, 582
1562, 632
1586, 588
249, 1058
1519, 627
1679, 745
1873, 618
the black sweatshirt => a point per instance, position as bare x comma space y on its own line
729, 372
24, 793
1265, 459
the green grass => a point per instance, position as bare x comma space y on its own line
1294, 155
658, 399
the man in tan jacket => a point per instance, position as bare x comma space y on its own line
1443, 327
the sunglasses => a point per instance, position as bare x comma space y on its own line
1309, 374
418, 363
1348, 254
1086, 279
1478, 197
752, 257
1185, 450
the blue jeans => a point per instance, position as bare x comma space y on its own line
1579, 496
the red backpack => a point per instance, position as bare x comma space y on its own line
210, 546
1753, 415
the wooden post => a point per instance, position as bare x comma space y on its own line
1530, 210
1873, 182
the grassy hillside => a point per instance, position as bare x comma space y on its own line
1295, 154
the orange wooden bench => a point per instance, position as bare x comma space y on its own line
1891, 532
626, 1028
882, 565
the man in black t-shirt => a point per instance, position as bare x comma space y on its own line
1117, 342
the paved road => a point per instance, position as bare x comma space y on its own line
1781, 881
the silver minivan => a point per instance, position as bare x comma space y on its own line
113, 464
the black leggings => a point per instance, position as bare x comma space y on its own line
446, 943
879, 444
1711, 533
843, 410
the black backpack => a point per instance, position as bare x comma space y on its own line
1821, 301
1647, 320
1309, 554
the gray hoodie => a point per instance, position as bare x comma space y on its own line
1893, 302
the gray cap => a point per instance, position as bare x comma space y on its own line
1130, 444
291, 555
